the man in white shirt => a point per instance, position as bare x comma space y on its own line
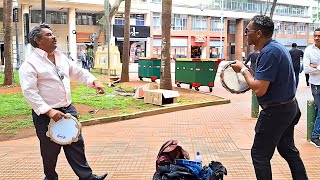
311, 66
45, 83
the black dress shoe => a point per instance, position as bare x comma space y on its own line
95, 177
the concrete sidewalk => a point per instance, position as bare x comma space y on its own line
127, 150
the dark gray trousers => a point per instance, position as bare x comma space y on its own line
50, 150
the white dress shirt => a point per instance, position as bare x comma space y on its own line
312, 56
46, 85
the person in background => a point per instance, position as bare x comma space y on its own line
83, 58
296, 56
45, 82
274, 85
90, 56
252, 57
311, 66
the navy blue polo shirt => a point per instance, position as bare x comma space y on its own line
274, 65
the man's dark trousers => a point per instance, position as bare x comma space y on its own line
275, 128
50, 150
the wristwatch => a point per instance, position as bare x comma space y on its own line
243, 69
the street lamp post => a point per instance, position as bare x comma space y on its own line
15, 15
221, 29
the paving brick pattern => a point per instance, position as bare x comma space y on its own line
127, 149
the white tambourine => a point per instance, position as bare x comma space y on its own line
65, 131
232, 81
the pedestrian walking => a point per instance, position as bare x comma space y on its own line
311, 66
45, 83
296, 57
83, 58
275, 88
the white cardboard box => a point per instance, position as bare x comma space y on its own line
160, 96
140, 90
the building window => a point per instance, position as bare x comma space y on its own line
52, 17
199, 23
301, 29
215, 24
156, 20
175, 52
179, 22
232, 27
135, 19
312, 28
138, 19
119, 19
156, 1
289, 29
87, 18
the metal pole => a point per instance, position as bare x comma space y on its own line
17, 46
254, 106
311, 117
15, 11
107, 34
43, 11
221, 28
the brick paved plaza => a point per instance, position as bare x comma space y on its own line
127, 149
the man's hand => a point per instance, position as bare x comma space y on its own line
56, 115
99, 87
313, 65
237, 65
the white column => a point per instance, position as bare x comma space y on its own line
26, 47
72, 36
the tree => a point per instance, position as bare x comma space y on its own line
165, 72
273, 7
101, 22
8, 66
274, 3
126, 43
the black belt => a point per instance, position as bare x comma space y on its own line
264, 106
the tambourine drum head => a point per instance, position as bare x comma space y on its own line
232, 81
64, 131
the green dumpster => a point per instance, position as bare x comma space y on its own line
196, 72
149, 68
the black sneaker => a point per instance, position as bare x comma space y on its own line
315, 142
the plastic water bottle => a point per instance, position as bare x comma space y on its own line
198, 159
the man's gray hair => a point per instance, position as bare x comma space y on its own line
36, 33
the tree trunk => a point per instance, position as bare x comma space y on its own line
126, 43
274, 3
165, 73
113, 11
8, 68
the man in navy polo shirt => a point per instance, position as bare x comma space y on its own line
274, 85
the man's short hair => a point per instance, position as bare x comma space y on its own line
35, 33
264, 24
318, 29
294, 45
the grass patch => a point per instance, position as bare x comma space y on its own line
15, 77
14, 126
14, 105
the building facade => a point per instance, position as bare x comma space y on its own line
200, 29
